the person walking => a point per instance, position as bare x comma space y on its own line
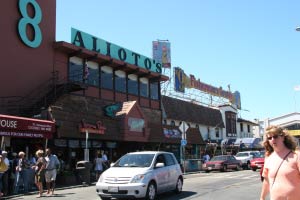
6, 173
98, 163
39, 168
282, 165
21, 173
52, 164
3, 168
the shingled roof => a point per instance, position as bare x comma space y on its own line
177, 109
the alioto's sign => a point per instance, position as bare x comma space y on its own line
98, 45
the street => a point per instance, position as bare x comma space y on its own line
243, 184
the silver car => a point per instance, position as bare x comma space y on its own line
141, 175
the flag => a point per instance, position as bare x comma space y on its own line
297, 88
86, 71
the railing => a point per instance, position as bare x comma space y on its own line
42, 96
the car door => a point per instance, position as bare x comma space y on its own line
161, 174
171, 171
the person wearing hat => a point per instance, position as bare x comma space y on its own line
5, 174
21, 173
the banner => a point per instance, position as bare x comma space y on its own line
162, 53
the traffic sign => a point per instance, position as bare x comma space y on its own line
183, 142
183, 127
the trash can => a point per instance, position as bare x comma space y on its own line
83, 169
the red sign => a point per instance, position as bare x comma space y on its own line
98, 128
14, 126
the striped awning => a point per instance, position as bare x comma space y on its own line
294, 132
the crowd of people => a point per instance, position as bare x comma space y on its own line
19, 173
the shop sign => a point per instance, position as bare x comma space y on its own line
13, 123
90, 128
96, 144
98, 45
111, 145
83, 144
25, 134
136, 124
172, 133
111, 110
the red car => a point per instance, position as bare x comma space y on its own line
257, 162
222, 163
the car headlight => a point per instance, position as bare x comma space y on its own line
138, 178
101, 179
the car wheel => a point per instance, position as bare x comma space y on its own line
238, 167
151, 191
224, 168
179, 185
248, 165
254, 169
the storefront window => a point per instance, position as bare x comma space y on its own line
76, 69
144, 87
120, 81
132, 84
106, 77
93, 74
154, 90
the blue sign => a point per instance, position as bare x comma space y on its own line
183, 142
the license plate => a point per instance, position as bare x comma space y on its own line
209, 168
113, 189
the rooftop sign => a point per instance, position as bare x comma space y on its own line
98, 45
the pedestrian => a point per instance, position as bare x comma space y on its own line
39, 168
5, 174
3, 168
282, 165
52, 165
206, 157
98, 163
21, 173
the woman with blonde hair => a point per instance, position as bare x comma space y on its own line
282, 165
40, 171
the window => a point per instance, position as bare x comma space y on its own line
154, 90
76, 69
132, 84
248, 127
241, 127
230, 124
172, 123
106, 77
144, 87
169, 160
217, 132
93, 74
165, 122
120, 81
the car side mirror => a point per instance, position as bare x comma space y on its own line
159, 165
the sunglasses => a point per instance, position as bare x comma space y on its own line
274, 137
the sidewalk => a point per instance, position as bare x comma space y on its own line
57, 188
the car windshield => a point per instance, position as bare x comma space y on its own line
259, 156
135, 160
219, 158
242, 154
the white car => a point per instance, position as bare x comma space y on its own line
141, 175
246, 157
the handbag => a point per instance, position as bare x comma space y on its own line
280, 166
3, 166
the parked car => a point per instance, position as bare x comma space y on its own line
257, 162
222, 163
246, 157
141, 175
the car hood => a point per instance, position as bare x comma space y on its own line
124, 171
241, 157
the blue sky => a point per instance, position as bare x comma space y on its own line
251, 45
